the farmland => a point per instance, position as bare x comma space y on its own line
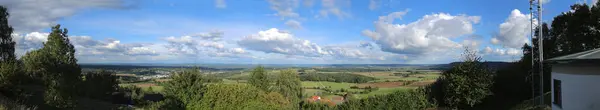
329, 83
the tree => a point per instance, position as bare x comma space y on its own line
288, 84
466, 83
7, 45
240, 97
187, 86
56, 66
259, 78
99, 84
9, 67
399, 100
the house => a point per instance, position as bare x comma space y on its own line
576, 81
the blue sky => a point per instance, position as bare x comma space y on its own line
281, 31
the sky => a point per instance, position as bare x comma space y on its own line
281, 31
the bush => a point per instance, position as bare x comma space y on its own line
240, 96
399, 100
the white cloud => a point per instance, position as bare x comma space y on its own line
293, 24
514, 32
501, 51
277, 41
374, 4
29, 42
332, 7
430, 34
392, 16
34, 15
84, 46
487, 50
284, 8
367, 45
202, 44
215, 35
220, 4
513, 51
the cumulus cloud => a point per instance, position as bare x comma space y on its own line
215, 35
34, 15
432, 33
84, 45
367, 45
277, 41
203, 44
500, 51
220, 4
284, 8
293, 24
514, 32
332, 7
392, 16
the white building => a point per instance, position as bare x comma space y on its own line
576, 81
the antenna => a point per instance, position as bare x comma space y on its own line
536, 24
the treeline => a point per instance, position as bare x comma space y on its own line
335, 77
399, 100
191, 90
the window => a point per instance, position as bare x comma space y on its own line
557, 93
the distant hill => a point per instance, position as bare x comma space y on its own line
131, 66
492, 65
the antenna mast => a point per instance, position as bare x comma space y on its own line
536, 26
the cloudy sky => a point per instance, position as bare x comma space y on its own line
280, 31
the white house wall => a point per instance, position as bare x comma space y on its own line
579, 91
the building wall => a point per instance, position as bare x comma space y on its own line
579, 91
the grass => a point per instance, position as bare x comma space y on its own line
383, 91
333, 85
311, 92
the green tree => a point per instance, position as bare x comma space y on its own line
7, 45
259, 78
288, 84
240, 97
99, 84
8, 72
467, 83
9, 67
399, 100
56, 66
187, 86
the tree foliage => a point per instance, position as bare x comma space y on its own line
288, 84
187, 86
9, 67
99, 84
259, 78
465, 84
7, 45
399, 100
56, 66
240, 97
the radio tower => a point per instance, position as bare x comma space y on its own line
535, 9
